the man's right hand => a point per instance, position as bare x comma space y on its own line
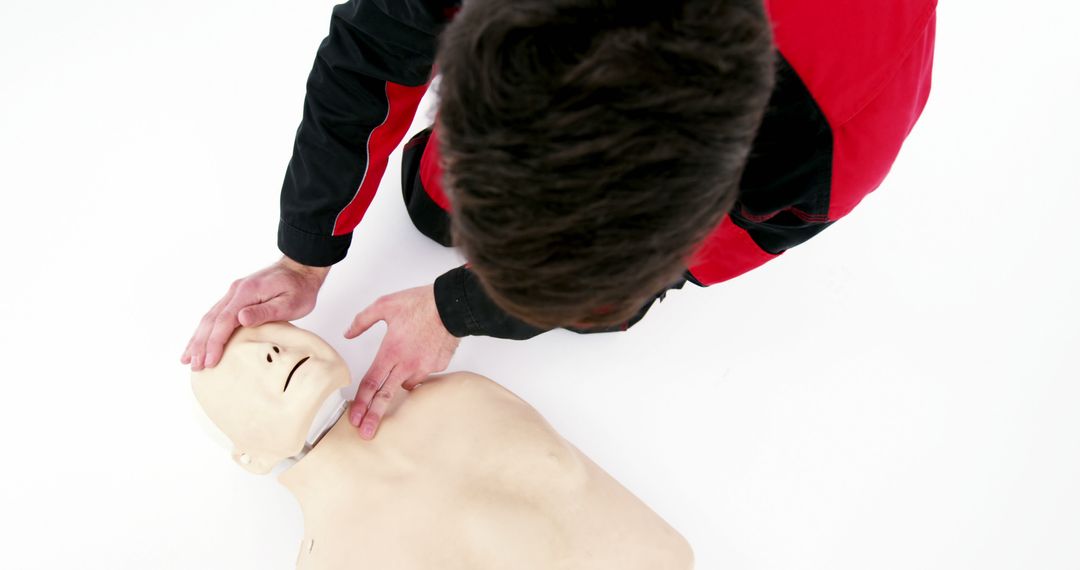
283, 291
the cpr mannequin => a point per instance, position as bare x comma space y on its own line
462, 473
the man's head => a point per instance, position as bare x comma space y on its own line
591, 145
267, 389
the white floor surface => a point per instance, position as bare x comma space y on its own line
900, 392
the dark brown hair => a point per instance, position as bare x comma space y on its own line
590, 146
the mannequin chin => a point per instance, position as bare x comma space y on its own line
463, 474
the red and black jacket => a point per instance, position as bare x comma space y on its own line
853, 78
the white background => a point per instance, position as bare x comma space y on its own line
899, 392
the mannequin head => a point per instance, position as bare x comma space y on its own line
266, 390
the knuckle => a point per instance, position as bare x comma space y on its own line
369, 384
384, 394
223, 318
222, 331
219, 336
245, 288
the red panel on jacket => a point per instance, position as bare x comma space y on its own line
868, 67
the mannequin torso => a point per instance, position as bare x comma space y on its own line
465, 475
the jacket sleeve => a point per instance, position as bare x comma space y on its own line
466, 309
367, 80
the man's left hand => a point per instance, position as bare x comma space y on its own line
416, 345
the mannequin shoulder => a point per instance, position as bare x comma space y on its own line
478, 394
506, 436
462, 382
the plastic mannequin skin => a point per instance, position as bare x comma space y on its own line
494, 488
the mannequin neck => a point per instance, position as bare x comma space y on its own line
334, 462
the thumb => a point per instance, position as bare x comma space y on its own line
363, 321
255, 315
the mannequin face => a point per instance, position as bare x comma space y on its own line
266, 390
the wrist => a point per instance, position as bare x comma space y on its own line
307, 270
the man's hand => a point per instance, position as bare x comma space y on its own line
416, 345
283, 291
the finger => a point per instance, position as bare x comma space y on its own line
272, 309
197, 344
192, 353
189, 349
365, 319
185, 357
371, 382
381, 402
415, 381
224, 325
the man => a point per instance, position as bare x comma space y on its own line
588, 155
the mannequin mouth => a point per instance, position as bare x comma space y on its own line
289, 379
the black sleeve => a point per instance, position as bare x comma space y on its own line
366, 82
466, 309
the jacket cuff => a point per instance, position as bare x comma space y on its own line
452, 303
311, 249
465, 309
